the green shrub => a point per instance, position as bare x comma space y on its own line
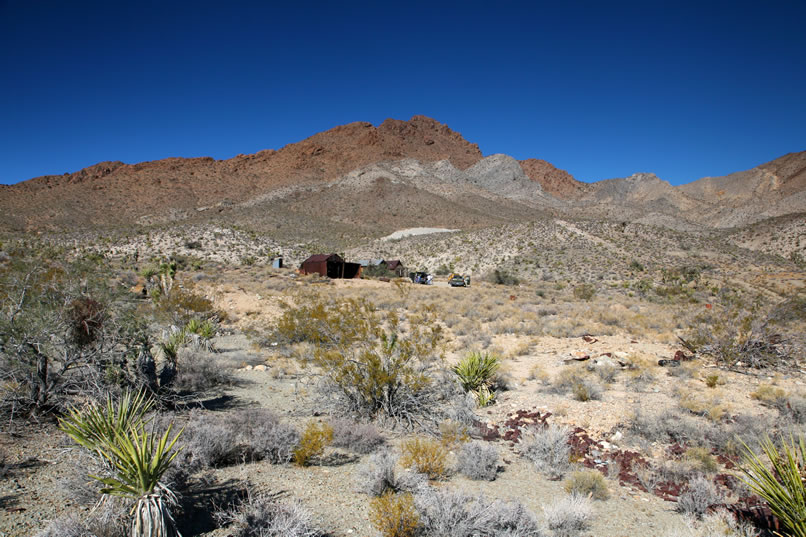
584, 291
502, 277
425, 456
369, 366
394, 515
589, 483
315, 438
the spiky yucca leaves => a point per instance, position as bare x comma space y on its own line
137, 458
95, 426
476, 371
783, 486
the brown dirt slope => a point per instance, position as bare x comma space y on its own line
768, 182
115, 193
557, 182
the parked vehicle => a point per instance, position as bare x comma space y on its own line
457, 280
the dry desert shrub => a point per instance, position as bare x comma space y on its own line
425, 456
478, 460
356, 436
579, 382
700, 495
446, 512
590, 483
569, 516
379, 475
719, 522
394, 515
212, 440
710, 407
199, 372
548, 449
263, 516
109, 519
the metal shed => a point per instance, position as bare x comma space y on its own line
331, 266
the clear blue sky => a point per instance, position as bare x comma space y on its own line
601, 89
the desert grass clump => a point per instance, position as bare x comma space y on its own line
453, 433
548, 449
478, 460
569, 516
108, 519
579, 382
711, 380
315, 438
710, 407
263, 516
769, 394
356, 436
702, 459
590, 483
700, 495
782, 482
425, 456
394, 515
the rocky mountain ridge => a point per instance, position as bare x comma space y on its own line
400, 173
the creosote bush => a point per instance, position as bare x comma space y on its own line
425, 456
370, 364
315, 438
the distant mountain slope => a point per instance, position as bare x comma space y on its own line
361, 180
116, 193
558, 183
768, 182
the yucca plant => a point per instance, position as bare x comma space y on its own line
172, 342
201, 333
475, 372
137, 459
783, 486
